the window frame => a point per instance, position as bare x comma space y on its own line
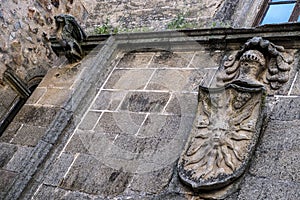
265, 6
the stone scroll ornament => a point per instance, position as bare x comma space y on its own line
229, 117
70, 35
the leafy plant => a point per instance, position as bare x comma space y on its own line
177, 23
106, 28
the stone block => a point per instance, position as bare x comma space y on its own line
152, 182
58, 169
20, 159
176, 80
160, 126
77, 195
264, 163
108, 100
6, 180
49, 192
280, 135
120, 122
36, 116
184, 104
140, 145
77, 143
276, 155
55, 97
10, 132
36, 95
9, 95
288, 166
60, 77
90, 176
127, 79
265, 188
172, 196
29, 135
296, 86
166, 59
89, 121
7, 151
207, 59
287, 109
145, 101
135, 60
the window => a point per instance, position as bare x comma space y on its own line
23, 92
278, 11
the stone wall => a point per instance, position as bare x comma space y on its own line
151, 15
27, 26
114, 125
24, 40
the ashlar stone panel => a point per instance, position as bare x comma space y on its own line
127, 79
176, 80
59, 169
90, 176
6, 180
90, 120
265, 188
207, 59
33, 115
145, 101
287, 109
108, 100
6, 153
119, 123
135, 60
184, 104
276, 155
152, 182
19, 160
29, 135
166, 59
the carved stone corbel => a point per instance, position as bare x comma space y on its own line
230, 116
70, 35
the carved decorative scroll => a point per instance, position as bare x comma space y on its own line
259, 62
69, 34
229, 117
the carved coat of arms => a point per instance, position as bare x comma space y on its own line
229, 116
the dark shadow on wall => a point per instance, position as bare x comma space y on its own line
23, 91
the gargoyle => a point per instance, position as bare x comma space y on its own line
69, 34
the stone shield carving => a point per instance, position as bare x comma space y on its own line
223, 137
229, 116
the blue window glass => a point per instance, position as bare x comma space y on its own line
281, 1
278, 13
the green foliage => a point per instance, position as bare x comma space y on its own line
106, 28
179, 23
217, 24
